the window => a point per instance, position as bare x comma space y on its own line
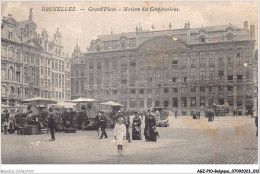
193, 74
220, 73
211, 73
184, 102
166, 90
212, 55
202, 39
175, 101
132, 103
32, 59
174, 79
220, 88
18, 55
149, 102
76, 86
141, 91
132, 91
174, 59
183, 59
193, 89
184, 75
202, 89
230, 88
12, 90
202, 57
82, 86
202, 73
202, 101
183, 89
193, 102
230, 100
114, 92
141, 103
230, 72
166, 103
239, 100
193, 57
11, 74
175, 90
99, 65
18, 72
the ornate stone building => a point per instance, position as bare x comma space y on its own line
188, 68
31, 65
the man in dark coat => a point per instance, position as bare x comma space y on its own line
97, 121
103, 124
127, 125
256, 124
52, 124
198, 115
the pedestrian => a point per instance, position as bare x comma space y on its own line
256, 124
103, 125
176, 113
136, 127
194, 115
97, 121
52, 124
150, 131
198, 114
127, 125
5, 124
120, 135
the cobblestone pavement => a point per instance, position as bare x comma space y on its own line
227, 140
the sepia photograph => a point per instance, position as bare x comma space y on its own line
129, 83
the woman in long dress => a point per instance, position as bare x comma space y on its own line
120, 135
136, 128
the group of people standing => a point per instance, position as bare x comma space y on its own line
122, 128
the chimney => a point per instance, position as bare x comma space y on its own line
246, 26
252, 31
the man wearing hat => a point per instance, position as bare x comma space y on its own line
103, 125
52, 124
97, 121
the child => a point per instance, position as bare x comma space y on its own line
120, 135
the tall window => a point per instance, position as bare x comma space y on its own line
193, 74
3, 71
183, 58
18, 55
11, 73
212, 55
18, 72
193, 57
76, 86
202, 57
211, 73
202, 73
174, 59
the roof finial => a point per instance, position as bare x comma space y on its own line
31, 15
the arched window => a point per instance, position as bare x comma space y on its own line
12, 89
11, 53
11, 73
3, 90
18, 91
76, 86
18, 55
3, 51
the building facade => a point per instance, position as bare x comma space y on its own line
188, 68
31, 65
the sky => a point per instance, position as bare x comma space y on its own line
85, 25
